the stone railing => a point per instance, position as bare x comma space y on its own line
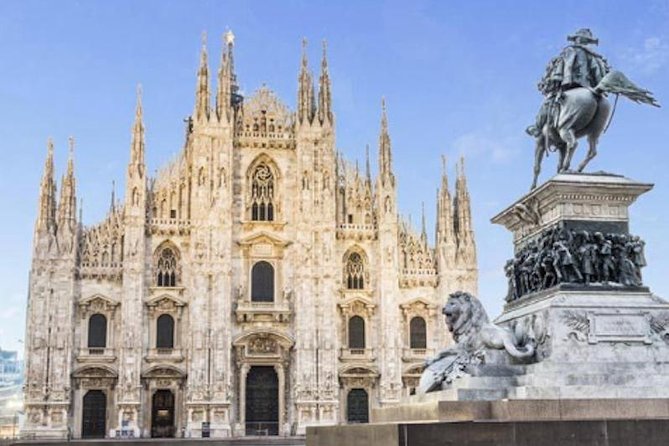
416, 354
356, 231
171, 226
357, 354
92, 270
263, 311
418, 277
96, 354
164, 354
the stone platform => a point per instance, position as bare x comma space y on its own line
646, 432
241, 441
433, 408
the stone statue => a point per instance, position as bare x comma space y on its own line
575, 85
473, 335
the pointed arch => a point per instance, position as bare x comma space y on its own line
167, 265
262, 179
355, 270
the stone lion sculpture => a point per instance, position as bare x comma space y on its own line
473, 334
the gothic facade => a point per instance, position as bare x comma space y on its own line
257, 284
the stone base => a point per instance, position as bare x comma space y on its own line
650, 432
435, 406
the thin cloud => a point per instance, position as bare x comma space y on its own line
475, 145
650, 57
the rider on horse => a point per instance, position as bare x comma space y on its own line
576, 66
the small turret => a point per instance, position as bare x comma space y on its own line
386, 175
423, 232
227, 93
136, 165
465, 257
46, 218
135, 192
201, 112
463, 219
67, 206
305, 92
324, 92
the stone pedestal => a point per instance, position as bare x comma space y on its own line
595, 202
576, 294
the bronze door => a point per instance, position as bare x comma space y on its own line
162, 414
94, 415
357, 406
262, 401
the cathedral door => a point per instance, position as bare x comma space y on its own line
262, 401
94, 416
357, 406
162, 414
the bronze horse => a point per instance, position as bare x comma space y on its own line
583, 112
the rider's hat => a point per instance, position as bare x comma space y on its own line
583, 34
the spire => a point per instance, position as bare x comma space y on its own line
324, 93
227, 80
385, 155
305, 91
368, 170
46, 218
201, 112
137, 143
112, 202
67, 206
445, 224
462, 210
423, 233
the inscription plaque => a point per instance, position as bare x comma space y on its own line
618, 327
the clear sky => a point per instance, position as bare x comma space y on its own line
458, 77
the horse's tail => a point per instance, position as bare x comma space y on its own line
616, 82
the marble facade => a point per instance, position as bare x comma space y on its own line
258, 249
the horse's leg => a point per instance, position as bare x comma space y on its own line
569, 138
592, 152
539, 150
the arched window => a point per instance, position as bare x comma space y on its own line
262, 194
165, 331
355, 272
417, 333
97, 331
166, 268
356, 332
262, 282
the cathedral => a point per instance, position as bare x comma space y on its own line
256, 285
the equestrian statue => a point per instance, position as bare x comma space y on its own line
575, 86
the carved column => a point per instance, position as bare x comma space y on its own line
278, 368
243, 371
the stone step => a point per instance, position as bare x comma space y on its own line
486, 382
603, 367
481, 394
585, 392
238, 441
592, 379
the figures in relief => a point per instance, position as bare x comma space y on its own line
565, 256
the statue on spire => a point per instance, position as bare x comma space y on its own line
575, 85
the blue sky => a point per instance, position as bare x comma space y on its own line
458, 77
